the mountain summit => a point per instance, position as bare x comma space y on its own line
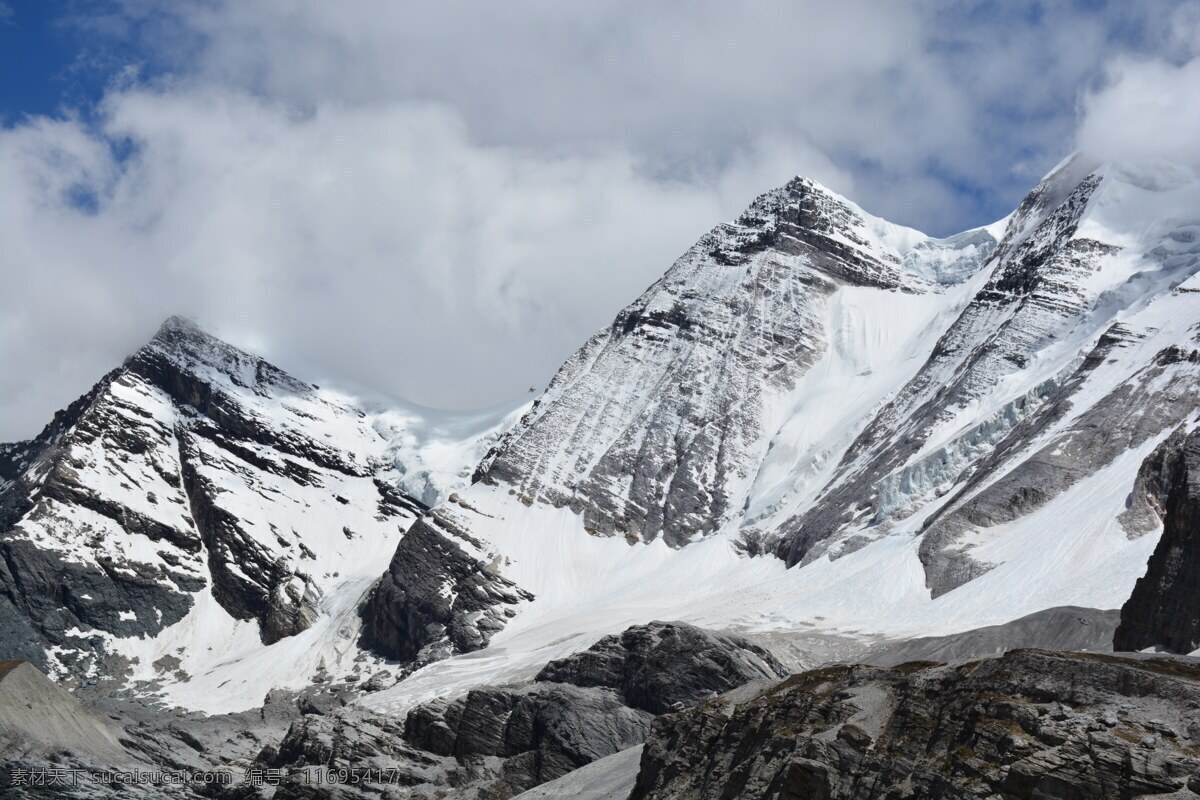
660, 425
929, 434
197, 505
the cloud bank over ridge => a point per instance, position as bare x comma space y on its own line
442, 202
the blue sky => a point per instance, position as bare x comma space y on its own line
48, 62
34, 57
376, 190
57, 57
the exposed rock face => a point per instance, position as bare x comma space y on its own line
1054, 286
438, 597
1037, 293
1147, 503
1164, 609
195, 467
657, 426
664, 665
1030, 724
541, 732
740, 394
350, 738
1155, 399
495, 742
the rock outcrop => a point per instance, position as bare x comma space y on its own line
1164, 609
664, 666
1030, 724
495, 742
439, 596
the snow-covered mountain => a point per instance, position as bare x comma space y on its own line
663, 423
817, 419
1065, 359
817, 423
201, 518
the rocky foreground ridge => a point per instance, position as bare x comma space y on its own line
492, 742
1029, 724
716, 723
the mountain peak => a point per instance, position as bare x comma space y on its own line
184, 344
179, 324
179, 332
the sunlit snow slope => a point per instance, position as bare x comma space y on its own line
204, 520
931, 435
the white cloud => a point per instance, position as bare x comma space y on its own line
443, 200
897, 92
1144, 110
380, 240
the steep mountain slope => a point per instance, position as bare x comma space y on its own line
1164, 609
1074, 352
932, 435
61, 723
658, 426
197, 505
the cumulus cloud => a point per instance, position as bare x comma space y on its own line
442, 201
377, 240
918, 100
1145, 110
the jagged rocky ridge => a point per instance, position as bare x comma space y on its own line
494, 742
194, 487
657, 425
1164, 610
810, 380
1067, 288
1030, 724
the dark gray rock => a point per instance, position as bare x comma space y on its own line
664, 666
1030, 724
436, 598
42, 596
1164, 609
540, 732
494, 742
1146, 505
